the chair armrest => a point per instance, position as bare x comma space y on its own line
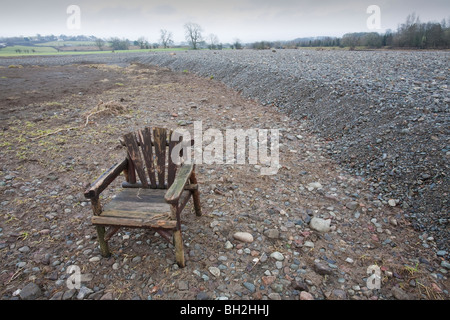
176, 189
105, 179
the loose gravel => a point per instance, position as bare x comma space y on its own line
384, 113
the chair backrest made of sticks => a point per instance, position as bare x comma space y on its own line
150, 155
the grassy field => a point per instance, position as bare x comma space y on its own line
14, 50
66, 43
28, 51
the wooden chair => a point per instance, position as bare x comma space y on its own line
156, 203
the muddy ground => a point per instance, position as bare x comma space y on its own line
51, 150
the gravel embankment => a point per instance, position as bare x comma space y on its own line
385, 113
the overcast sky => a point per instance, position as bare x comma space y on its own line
247, 20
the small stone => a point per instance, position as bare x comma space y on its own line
306, 296
340, 294
349, 260
352, 205
30, 292
392, 202
320, 225
243, 236
107, 296
183, 285
94, 259
322, 269
314, 185
214, 271
436, 288
277, 256
399, 294
250, 286
309, 244
272, 233
299, 285
393, 221
24, 249
228, 245
57, 296
274, 296
136, 259
202, 296
84, 292
268, 280
277, 287
69, 294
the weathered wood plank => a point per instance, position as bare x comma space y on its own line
138, 185
145, 140
105, 180
159, 213
133, 223
141, 195
133, 151
182, 177
172, 167
160, 138
139, 202
131, 176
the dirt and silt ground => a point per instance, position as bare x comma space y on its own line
50, 153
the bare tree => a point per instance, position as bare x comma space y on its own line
142, 43
237, 44
166, 38
100, 43
213, 41
193, 33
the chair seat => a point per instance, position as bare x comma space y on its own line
137, 208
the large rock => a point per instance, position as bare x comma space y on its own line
30, 292
277, 256
322, 269
272, 233
320, 225
399, 294
306, 296
352, 205
243, 236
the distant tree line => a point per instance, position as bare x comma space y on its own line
415, 34
411, 34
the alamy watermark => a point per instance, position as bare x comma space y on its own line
76, 277
73, 22
374, 280
374, 20
259, 146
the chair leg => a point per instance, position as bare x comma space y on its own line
179, 248
196, 196
103, 244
